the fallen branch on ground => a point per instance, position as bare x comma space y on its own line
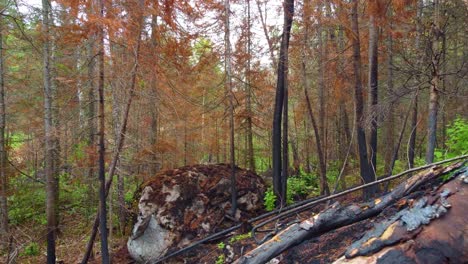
337, 216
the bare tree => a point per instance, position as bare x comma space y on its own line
373, 90
50, 129
3, 151
365, 170
279, 162
228, 84
250, 148
435, 85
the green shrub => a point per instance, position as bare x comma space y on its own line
27, 203
221, 245
298, 188
31, 249
457, 140
220, 260
269, 199
240, 237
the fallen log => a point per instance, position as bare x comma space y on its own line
337, 216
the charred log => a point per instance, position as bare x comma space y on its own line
337, 216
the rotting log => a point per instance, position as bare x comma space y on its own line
337, 216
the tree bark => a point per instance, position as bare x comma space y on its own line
373, 91
50, 161
91, 114
390, 124
324, 190
4, 230
321, 77
365, 170
250, 147
231, 109
434, 86
414, 116
101, 160
279, 172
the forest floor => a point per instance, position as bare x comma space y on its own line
75, 233
323, 249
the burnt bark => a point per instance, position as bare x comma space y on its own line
231, 109
101, 160
365, 169
337, 216
373, 91
279, 172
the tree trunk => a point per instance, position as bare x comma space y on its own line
324, 190
91, 116
120, 141
365, 170
101, 161
390, 124
250, 148
279, 172
4, 230
231, 110
434, 86
321, 54
49, 130
373, 91
414, 116
153, 96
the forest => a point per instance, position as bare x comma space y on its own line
99, 98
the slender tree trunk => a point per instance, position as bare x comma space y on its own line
116, 93
390, 124
279, 172
434, 86
120, 141
373, 91
414, 115
321, 61
49, 130
365, 170
324, 189
345, 132
91, 115
4, 230
307, 147
101, 161
443, 54
250, 148
154, 94
267, 36
231, 110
